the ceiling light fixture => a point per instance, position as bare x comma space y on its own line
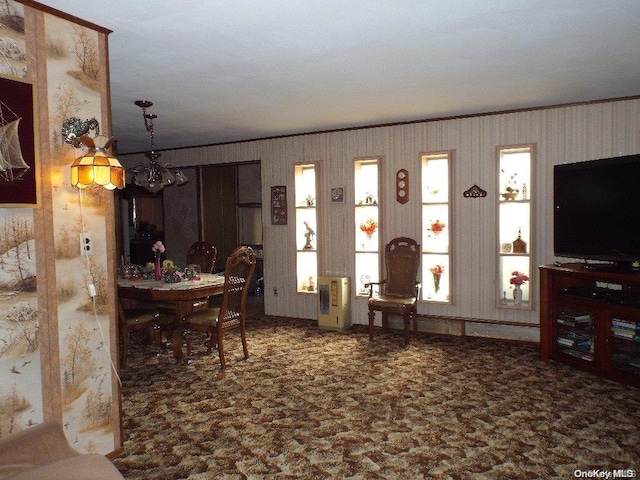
96, 166
153, 176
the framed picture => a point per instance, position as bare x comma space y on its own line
279, 205
337, 194
19, 173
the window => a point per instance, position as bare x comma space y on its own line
306, 224
367, 239
514, 226
436, 237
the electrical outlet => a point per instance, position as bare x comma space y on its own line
275, 292
86, 247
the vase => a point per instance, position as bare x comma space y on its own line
436, 282
157, 270
517, 294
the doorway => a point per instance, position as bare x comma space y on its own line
231, 211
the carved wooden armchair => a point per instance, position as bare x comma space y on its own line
232, 313
203, 254
398, 292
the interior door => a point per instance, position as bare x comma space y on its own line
219, 213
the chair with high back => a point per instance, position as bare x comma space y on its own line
232, 313
136, 319
199, 253
203, 254
397, 293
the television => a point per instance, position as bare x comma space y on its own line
597, 211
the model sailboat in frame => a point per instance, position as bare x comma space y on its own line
12, 163
19, 168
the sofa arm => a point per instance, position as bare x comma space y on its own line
34, 446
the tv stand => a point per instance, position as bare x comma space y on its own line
590, 319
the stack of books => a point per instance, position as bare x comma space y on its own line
574, 319
576, 340
627, 329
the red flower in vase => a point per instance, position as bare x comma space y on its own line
369, 226
518, 278
437, 272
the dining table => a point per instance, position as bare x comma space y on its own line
183, 294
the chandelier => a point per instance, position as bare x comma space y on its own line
153, 176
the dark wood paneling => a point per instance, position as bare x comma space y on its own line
219, 210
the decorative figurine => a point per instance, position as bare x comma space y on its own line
519, 245
308, 235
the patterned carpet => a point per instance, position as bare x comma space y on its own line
311, 404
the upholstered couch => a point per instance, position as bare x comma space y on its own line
42, 452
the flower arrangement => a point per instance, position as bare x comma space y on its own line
369, 227
437, 227
170, 272
437, 271
518, 278
168, 267
158, 249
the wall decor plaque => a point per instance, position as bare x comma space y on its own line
279, 205
402, 186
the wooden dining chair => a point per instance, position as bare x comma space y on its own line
136, 319
200, 253
232, 313
203, 254
398, 292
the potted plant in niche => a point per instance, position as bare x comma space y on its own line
510, 190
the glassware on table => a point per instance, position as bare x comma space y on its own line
193, 271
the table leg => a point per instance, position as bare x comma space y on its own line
182, 308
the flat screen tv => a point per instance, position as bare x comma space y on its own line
597, 211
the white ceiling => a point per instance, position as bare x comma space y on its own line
227, 70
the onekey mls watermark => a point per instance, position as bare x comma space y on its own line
598, 473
